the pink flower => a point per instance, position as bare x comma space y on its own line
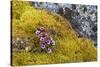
42, 39
48, 42
43, 46
49, 50
38, 32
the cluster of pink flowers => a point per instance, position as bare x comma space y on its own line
45, 39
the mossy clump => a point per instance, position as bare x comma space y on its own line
26, 19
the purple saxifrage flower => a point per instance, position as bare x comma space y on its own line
41, 35
49, 50
43, 46
42, 39
38, 32
45, 39
48, 42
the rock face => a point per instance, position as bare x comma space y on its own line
82, 17
84, 20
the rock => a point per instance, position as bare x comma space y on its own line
19, 43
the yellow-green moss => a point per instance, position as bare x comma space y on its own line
68, 48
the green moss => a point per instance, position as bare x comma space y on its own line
68, 48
